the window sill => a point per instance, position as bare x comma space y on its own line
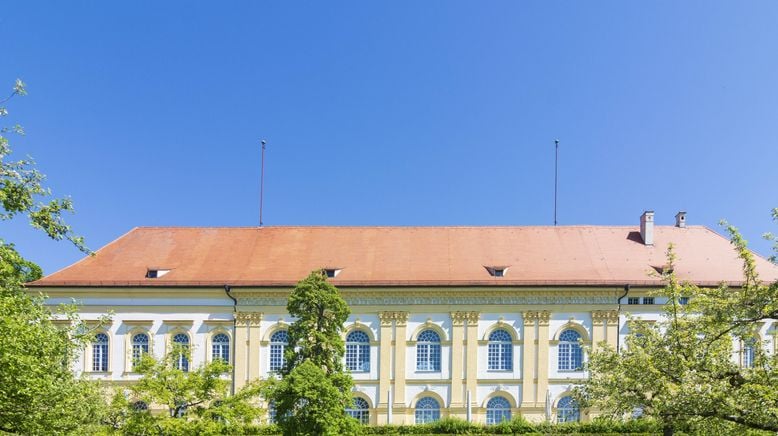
571, 371
500, 370
428, 371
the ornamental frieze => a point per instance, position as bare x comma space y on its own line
433, 297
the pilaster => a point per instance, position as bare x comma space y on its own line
457, 359
598, 328
471, 367
528, 360
384, 364
612, 327
242, 320
544, 318
254, 320
401, 323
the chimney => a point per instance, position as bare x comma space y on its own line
680, 219
647, 227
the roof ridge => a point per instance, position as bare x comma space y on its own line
348, 226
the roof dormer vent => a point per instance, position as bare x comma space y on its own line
497, 271
680, 219
331, 272
155, 273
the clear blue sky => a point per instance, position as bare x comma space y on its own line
395, 113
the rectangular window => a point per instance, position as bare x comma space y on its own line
427, 357
276, 357
500, 357
100, 357
633, 300
683, 300
648, 300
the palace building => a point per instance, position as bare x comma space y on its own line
482, 323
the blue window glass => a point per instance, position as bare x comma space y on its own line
359, 411
278, 343
182, 362
358, 352
100, 353
428, 351
567, 410
140, 346
498, 409
570, 352
748, 353
220, 347
500, 351
427, 410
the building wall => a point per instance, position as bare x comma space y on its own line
463, 325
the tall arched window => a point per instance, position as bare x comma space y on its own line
182, 340
498, 409
428, 351
427, 410
567, 410
570, 353
360, 411
220, 347
358, 352
140, 346
500, 351
748, 352
278, 343
100, 353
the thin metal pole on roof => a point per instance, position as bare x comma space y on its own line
262, 182
556, 175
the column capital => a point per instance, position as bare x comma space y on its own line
542, 316
401, 318
601, 317
248, 318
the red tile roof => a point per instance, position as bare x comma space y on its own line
406, 256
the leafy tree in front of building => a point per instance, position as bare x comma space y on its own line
197, 401
39, 393
703, 367
314, 391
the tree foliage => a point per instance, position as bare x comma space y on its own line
314, 391
39, 393
197, 401
686, 370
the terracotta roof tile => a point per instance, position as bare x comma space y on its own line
406, 256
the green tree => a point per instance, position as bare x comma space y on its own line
684, 370
314, 391
197, 401
39, 393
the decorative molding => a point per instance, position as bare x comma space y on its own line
543, 317
179, 322
139, 322
388, 297
610, 317
248, 318
401, 318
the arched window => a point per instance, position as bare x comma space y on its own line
358, 352
140, 346
428, 351
567, 410
427, 410
100, 353
748, 352
140, 406
570, 353
271, 413
498, 409
278, 343
182, 362
220, 347
500, 351
359, 411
